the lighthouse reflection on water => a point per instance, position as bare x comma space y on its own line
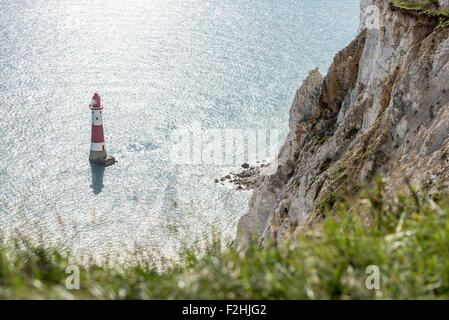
97, 171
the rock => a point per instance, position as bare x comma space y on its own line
222, 179
216, 180
245, 166
443, 4
108, 161
387, 88
228, 177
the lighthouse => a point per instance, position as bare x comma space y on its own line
98, 153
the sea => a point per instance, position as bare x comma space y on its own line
161, 67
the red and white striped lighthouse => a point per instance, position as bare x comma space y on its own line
97, 147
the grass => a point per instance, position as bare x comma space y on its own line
321, 139
414, 4
425, 8
325, 165
407, 237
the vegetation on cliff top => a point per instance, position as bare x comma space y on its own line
425, 7
406, 238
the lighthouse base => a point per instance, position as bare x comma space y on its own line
109, 161
100, 157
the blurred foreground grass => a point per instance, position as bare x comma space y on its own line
407, 238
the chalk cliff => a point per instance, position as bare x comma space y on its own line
382, 108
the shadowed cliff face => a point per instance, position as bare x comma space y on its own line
382, 108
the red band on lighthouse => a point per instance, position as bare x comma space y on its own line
97, 134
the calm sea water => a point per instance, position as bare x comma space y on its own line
158, 65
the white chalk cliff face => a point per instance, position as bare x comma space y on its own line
382, 108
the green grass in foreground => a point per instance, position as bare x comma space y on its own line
408, 239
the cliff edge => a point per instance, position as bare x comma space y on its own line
382, 108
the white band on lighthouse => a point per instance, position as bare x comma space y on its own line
96, 146
97, 118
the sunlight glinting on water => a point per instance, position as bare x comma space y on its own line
158, 65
